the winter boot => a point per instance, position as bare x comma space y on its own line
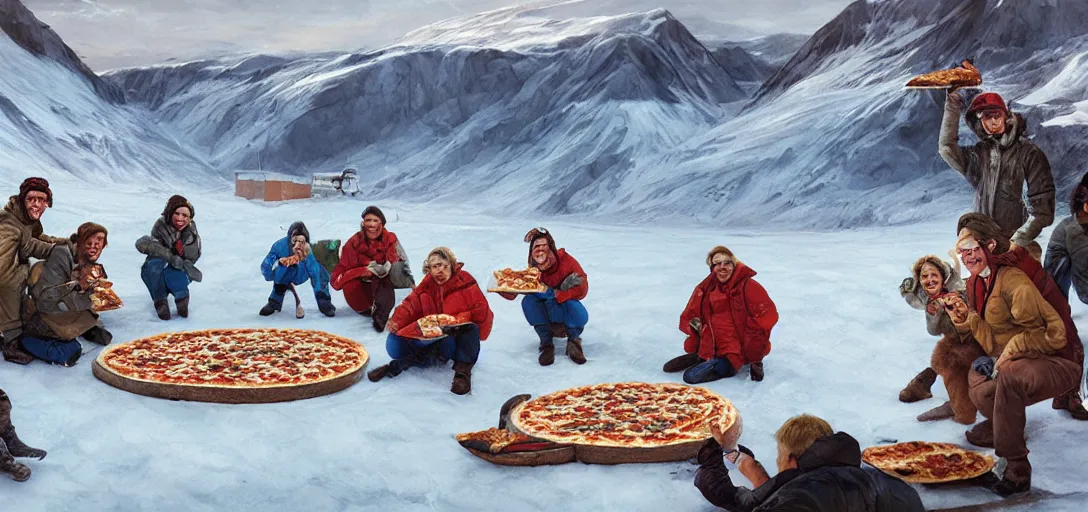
941, 412
1072, 403
574, 350
378, 323
271, 307
462, 378
18, 472
391, 369
755, 370
15, 353
981, 435
547, 345
1016, 479
7, 433
98, 335
183, 306
162, 308
919, 386
681, 363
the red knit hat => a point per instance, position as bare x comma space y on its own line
987, 101
35, 184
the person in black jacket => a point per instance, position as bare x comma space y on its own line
818, 471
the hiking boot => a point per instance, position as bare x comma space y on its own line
15, 353
162, 308
919, 386
755, 370
183, 306
681, 363
462, 378
17, 448
378, 373
1016, 480
574, 351
98, 335
981, 435
271, 307
1071, 402
941, 412
547, 354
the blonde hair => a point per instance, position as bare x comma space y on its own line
799, 432
720, 249
444, 253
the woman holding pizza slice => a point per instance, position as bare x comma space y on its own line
931, 281
446, 288
728, 320
561, 304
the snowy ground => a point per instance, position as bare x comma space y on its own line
844, 348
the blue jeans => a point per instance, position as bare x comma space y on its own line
52, 351
708, 371
464, 347
161, 280
540, 313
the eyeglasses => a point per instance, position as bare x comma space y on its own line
534, 232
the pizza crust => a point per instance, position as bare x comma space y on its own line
220, 393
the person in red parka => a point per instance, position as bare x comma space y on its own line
728, 321
561, 305
445, 288
367, 263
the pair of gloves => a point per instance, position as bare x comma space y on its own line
986, 367
380, 270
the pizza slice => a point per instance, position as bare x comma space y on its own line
290, 260
966, 75
103, 298
509, 280
495, 440
430, 327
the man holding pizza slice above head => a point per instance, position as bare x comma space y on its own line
1024, 337
818, 470
446, 290
560, 305
1000, 165
61, 304
289, 263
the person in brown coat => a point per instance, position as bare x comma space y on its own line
953, 354
1022, 336
59, 309
21, 238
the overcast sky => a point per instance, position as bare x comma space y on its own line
109, 34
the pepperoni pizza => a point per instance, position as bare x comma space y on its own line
922, 462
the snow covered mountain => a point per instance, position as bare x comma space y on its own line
57, 116
496, 100
632, 116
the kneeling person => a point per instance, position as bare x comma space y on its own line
290, 262
60, 307
561, 304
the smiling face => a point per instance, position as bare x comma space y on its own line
372, 226
993, 121
971, 254
439, 269
722, 265
92, 247
931, 279
35, 204
181, 218
541, 251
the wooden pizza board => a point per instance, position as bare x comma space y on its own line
227, 395
609, 455
552, 457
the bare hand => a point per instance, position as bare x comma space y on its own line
728, 439
956, 308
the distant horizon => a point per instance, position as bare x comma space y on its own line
112, 34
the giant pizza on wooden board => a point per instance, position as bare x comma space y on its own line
509, 280
234, 365
922, 462
624, 415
